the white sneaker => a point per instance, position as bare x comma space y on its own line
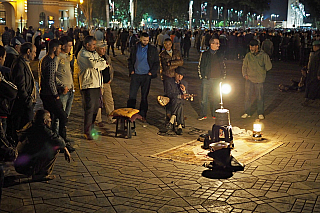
261, 117
245, 115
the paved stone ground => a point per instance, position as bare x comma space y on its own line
114, 174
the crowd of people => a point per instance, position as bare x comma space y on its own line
41, 135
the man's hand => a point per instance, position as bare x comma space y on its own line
149, 73
65, 91
58, 98
132, 72
182, 87
109, 82
67, 154
184, 96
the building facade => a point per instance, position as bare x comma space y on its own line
38, 13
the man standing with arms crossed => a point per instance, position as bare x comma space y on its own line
254, 69
143, 65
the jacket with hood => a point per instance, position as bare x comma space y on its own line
12, 54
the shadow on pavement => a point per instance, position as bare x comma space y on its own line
217, 174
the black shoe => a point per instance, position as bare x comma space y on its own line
179, 131
70, 148
169, 126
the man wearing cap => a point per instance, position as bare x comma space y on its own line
211, 70
106, 91
90, 67
254, 69
176, 89
13, 51
313, 75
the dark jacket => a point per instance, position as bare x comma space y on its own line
8, 93
22, 77
153, 59
37, 142
47, 73
34, 138
172, 90
204, 67
175, 61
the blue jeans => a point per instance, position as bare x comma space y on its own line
209, 88
66, 101
249, 89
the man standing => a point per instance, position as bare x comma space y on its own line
13, 51
64, 75
254, 69
170, 59
90, 80
7, 95
313, 75
6, 36
38, 148
22, 77
176, 89
211, 70
143, 65
48, 88
107, 75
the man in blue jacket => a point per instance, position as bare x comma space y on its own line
143, 65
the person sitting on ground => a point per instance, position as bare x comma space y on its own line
296, 86
38, 148
176, 89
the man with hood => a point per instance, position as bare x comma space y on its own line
13, 51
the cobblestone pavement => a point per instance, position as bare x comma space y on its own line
114, 174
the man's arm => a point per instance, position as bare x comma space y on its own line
51, 78
200, 66
245, 67
19, 80
131, 61
267, 62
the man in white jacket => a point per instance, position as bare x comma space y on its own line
90, 80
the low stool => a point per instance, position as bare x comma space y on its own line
125, 121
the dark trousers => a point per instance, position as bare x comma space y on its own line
123, 46
177, 110
40, 165
136, 82
54, 106
21, 115
112, 48
91, 104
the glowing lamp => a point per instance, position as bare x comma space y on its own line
225, 89
257, 128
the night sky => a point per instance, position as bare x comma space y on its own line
279, 7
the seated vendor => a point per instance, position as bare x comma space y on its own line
38, 148
176, 89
